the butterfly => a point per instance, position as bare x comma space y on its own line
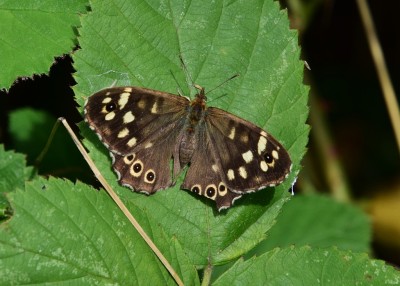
153, 135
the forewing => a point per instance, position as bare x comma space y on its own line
130, 118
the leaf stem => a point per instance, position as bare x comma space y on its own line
207, 276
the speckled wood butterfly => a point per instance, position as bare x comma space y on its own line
145, 129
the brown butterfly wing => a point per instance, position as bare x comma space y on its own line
249, 158
204, 177
233, 157
140, 128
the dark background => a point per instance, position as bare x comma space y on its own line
346, 97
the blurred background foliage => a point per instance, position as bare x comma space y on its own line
352, 154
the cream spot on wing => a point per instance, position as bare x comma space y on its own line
244, 138
272, 164
196, 189
108, 93
243, 172
262, 144
129, 158
106, 100
263, 133
257, 180
154, 108
148, 145
211, 191
231, 175
128, 89
222, 189
232, 134
264, 166
128, 117
131, 142
110, 116
150, 176
215, 168
275, 155
141, 104
136, 168
123, 133
123, 99
248, 156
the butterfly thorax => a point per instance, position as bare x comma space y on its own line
196, 110
195, 117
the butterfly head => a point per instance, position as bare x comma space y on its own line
201, 95
200, 99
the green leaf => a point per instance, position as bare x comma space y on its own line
139, 43
30, 130
306, 266
12, 177
66, 233
12, 172
319, 222
33, 32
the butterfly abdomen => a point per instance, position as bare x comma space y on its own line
187, 147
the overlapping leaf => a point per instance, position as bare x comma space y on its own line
11, 170
306, 266
66, 233
33, 33
319, 222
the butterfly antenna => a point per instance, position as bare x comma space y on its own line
190, 82
222, 83
180, 90
189, 79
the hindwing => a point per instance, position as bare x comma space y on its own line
204, 176
250, 158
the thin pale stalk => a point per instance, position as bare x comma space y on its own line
120, 204
381, 68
